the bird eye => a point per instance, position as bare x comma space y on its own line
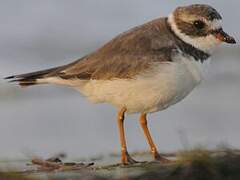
199, 24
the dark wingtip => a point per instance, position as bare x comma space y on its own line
14, 80
9, 77
19, 81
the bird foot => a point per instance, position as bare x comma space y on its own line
127, 159
161, 159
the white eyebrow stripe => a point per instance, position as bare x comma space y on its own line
206, 44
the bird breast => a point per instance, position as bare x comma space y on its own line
165, 84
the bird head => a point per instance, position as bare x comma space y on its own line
199, 25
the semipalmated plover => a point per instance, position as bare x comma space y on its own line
146, 69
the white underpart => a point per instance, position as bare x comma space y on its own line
166, 84
215, 24
206, 44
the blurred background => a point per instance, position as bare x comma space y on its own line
47, 119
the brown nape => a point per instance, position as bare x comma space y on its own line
185, 16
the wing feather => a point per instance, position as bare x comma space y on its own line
126, 55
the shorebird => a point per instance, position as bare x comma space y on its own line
146, 69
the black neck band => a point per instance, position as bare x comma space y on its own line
187, 48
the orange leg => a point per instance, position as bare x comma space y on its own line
126, 158
155, 154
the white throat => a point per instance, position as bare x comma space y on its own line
206, 44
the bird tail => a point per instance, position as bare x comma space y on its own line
32, 78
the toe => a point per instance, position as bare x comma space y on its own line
161, 159
127, 159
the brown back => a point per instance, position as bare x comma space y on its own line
125, 56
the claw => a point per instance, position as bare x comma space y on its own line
127, 159
161, 159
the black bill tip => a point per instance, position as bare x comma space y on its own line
224, 37
230, 40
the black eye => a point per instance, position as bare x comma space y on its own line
199, 24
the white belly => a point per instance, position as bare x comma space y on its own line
167, 84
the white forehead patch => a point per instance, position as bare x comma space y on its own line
215, 24
206, 44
